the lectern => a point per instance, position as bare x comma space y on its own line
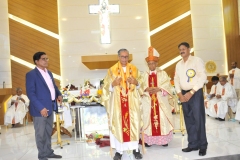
5, 94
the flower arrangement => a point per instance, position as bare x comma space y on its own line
65, 94
87, 93
99, 92
91, 138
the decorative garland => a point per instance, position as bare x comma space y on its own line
71, 99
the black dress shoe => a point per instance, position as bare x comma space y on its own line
189, 149
165, 145
147, 145
202, 152
137, 155
117, 156
55, 156
220, 119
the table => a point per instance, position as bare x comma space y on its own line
93, 118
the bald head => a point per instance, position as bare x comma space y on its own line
19, 91
234, 65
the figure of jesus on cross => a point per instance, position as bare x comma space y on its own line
103, 9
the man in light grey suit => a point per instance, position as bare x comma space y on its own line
43, 94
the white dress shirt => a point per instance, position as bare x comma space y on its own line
182, 81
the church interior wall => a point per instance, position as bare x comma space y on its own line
80, 32
166, 41
5, 64
25, 41
208, 33
80, 35
231, 24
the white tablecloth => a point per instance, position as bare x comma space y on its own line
66, 116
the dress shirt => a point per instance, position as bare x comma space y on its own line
182, 81
49, 82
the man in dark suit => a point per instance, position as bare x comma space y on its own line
43, 95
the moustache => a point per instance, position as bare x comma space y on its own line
182, 52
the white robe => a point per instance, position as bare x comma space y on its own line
236, 78
228, 99
208, 100
65, 116
124, 146
19, 112
237, 116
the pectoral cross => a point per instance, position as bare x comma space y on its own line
103, 9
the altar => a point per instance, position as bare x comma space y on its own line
87, 114
93, 118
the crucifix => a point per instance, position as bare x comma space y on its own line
103, 9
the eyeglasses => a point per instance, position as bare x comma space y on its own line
45, 59
151, 64
123, 57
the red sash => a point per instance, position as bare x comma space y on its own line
155, 113
16, 103
233, 71
125, 115
223, 91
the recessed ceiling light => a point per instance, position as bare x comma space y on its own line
138, 17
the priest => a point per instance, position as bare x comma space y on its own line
211, 95
122, 101
157, 111
226, 100
234, 78
17, 108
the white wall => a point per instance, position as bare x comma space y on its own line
80, 36
5, 64
208, 32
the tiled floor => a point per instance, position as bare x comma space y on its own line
223, 138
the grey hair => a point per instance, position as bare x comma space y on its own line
122, 50
223, 78
18, 89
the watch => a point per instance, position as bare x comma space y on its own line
191, 92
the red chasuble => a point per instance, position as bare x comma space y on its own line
155, 113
